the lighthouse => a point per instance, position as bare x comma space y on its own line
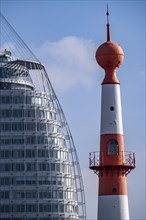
112, 163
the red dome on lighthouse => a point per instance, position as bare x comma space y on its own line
109, 56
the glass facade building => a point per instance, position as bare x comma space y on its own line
40, 177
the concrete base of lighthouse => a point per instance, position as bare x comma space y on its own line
113, 207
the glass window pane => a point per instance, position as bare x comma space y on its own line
113, 147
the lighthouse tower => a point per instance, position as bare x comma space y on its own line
111, 163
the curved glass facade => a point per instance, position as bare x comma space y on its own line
40, 177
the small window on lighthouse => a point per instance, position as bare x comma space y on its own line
112, 147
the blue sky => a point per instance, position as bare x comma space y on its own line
64, 35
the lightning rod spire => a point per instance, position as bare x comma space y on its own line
108, 25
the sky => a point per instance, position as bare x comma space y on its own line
64, 35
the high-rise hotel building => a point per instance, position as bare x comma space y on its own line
40, 177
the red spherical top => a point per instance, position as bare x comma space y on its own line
109, 55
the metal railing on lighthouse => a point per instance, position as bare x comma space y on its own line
124, 161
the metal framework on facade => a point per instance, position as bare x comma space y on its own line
40, 175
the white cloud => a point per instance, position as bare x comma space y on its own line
69, 61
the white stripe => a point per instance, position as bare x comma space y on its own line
111, 110
113, 207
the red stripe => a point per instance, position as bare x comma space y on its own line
112, 180
104, 140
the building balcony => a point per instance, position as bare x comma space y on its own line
124, 161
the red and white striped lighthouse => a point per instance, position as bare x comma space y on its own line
111, 163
